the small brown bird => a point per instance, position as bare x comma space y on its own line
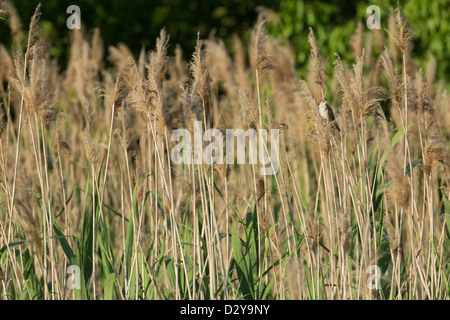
326, 112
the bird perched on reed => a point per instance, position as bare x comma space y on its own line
326, 112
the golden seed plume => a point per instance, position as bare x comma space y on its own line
200, 77
260, 59
403, 33
34, 33
356, 41
317, 64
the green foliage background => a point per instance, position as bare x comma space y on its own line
334, 23
137, 23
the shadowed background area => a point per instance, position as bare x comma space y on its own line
137, 23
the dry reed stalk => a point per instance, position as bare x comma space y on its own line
20, 84
261, 60
402, 37
323, 132
38, 99
118, 96
200, 81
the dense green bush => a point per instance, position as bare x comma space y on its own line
334, 24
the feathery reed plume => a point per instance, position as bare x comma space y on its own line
191, 112
200, 77
402, 34
126, 81
18, 80
88, 143
29, 223
158, 59
146, 95
368, 99
78, 77
21, 68
358, 101
260, 191
283, 83
190, 186
321, 133
124, 132
34, 33
119, 55
399, 189
356, 41
248, 111
97, 51
424, 105
218, 61
383, 126
274, 124
156, 73
138, 178
344, 227
180, 64
394, 80
34, 43
402, 38
434, 154
260, 188
35, 89
317, 64
393, 238
38, 96
152, 90
141, 62
139, 98
313, 230
343, 78
392, 30
238, 52
307, 95
223, 169
260, 59
268, 14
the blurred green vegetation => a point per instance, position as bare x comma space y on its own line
137, 23
335, 22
